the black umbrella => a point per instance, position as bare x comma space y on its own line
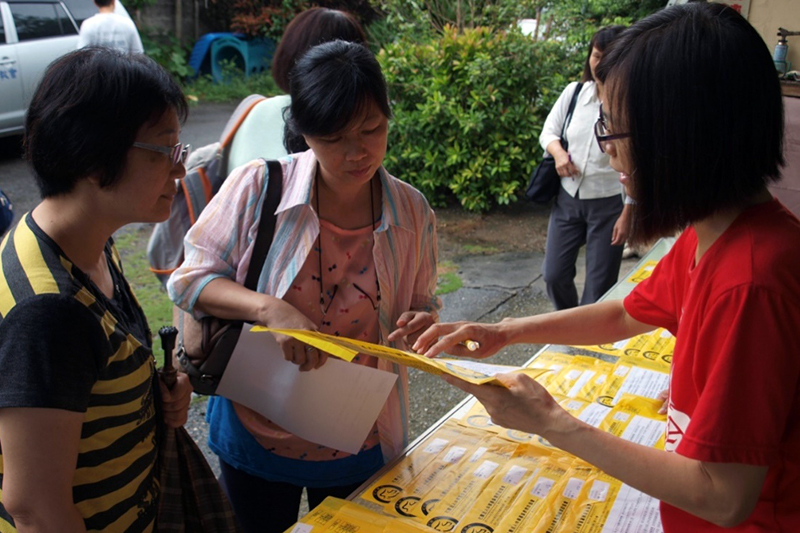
192, 500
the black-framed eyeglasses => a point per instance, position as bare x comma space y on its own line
177, 154
603, 134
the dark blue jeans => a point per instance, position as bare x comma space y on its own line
573, 223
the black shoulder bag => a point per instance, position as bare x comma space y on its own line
545, 181
208, 343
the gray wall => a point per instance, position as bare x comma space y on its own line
160, 18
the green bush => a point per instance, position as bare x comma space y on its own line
468, 109
169, 53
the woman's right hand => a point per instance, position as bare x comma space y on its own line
564, 165
280, 315
452, 338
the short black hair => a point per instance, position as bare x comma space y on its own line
103, 3
601, 40
696, 88
312, 27
86, 112
330, 85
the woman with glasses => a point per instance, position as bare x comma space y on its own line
693, 116
589, 207
80, 399
354, 254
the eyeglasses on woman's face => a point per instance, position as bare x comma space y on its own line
602, 132
177, 154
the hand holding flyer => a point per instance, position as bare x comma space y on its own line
347, 349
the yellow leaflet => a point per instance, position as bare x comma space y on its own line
570, 380
405, 525
535, 495
319, 516
590, 384
334, 515
606, 505
478, 418
354, 523
637, 376
635, 345
591, 413
551, 517
447, 461
392, 484
637, 419
447, 501
347, 349
494, 502
643, 272
552, 361
659, 347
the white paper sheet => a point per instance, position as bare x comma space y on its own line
335, 405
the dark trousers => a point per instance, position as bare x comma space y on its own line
573, 223
263, 506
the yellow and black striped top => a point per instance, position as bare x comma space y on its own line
64, 345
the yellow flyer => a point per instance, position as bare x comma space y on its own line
591, 413
643, 272
488, 453
553, 361
443, 507
535, 495
606, 505
499, 494
551, 517
611, 348
392, 484
319, 516
467, 447
659, 346
478, 418
335, 515
637, 376
637, 419
347, 349
579, 378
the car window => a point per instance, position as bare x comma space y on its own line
37, 21
2, 31
80, 9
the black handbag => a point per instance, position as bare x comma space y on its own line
544, 182
207, 344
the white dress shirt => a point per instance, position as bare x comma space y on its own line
596, 178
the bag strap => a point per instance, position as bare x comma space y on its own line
266, 225
571, 108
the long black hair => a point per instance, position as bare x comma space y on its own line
330, 86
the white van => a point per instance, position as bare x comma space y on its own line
32, 34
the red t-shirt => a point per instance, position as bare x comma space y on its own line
735, 384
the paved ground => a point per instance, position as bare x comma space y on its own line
495, 286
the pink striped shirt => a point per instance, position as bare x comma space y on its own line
405, 255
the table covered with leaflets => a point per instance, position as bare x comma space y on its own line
467, 475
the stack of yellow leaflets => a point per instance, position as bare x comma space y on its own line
334, 515
472, 476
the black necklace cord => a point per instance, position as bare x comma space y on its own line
322, 306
